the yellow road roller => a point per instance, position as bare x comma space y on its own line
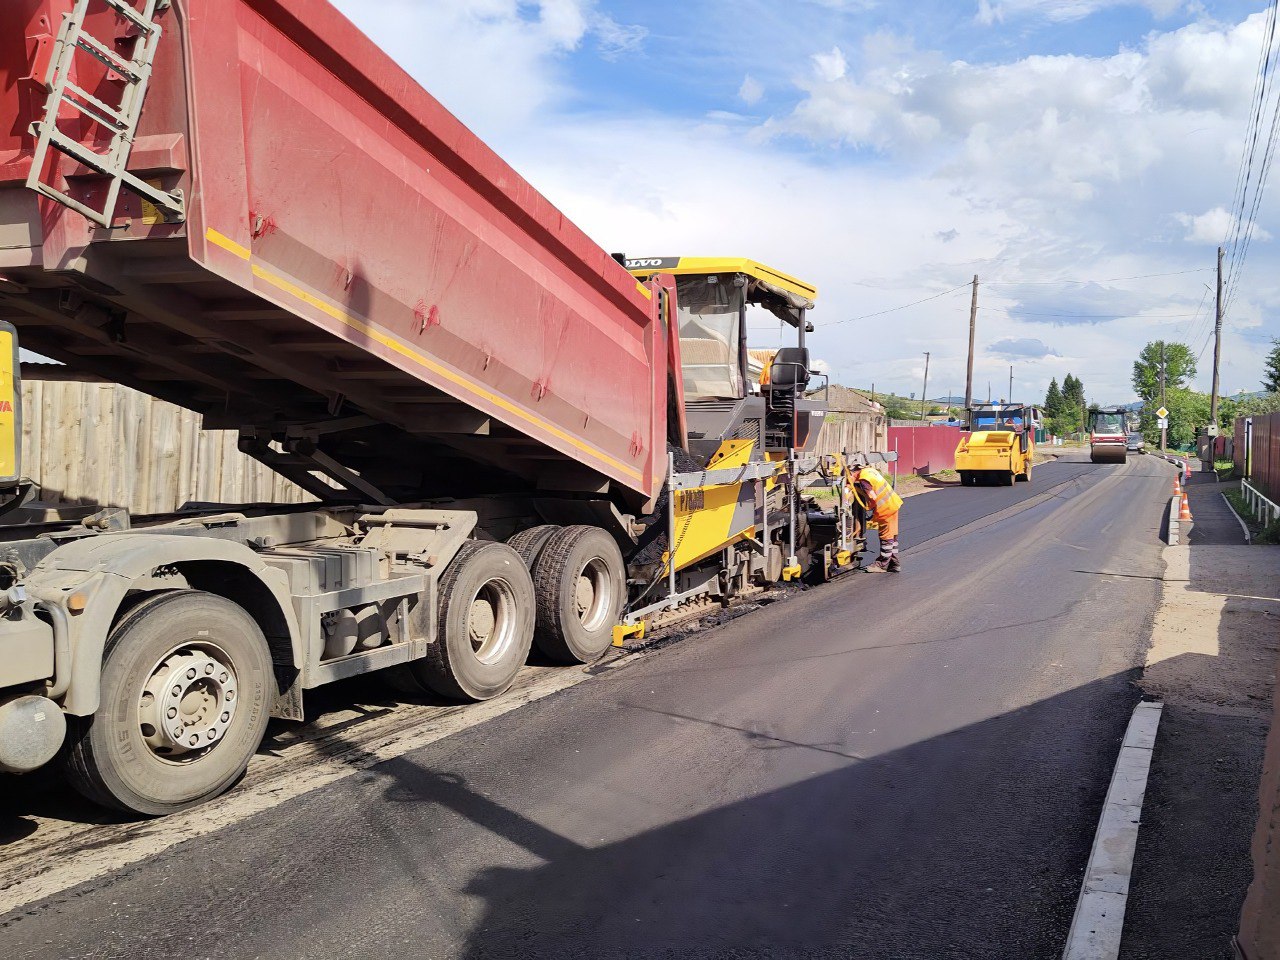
1000, 446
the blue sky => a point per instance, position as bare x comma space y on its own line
888, 151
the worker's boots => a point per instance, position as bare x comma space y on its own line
880, 566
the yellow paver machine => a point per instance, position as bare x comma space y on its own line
1000, 446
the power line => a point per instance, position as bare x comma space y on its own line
1186, 333
1246, 204
881, 313
1257, 100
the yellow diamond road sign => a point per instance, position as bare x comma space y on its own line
1162, 413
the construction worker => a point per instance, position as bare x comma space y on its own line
881, 504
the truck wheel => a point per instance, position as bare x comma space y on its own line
485, 625
529, 543
187, 686
580, 581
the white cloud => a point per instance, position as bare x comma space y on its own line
1037, 168
1089, 159
830, 66
997, 11
495, 63
616, 39
1021, 348
1213, 226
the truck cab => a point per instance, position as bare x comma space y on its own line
730, 391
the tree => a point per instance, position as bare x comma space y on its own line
1256, 406
1188, 412
1069, 417
1271, 376
1053, 400
895, 408
1179, 370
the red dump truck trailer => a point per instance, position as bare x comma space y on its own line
246, 208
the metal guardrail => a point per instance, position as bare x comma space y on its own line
1268, 511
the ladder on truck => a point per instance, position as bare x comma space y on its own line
120, 120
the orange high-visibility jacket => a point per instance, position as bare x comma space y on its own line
885, 501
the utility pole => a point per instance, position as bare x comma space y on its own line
925, 392
1217, 353
973, 326
1010, 383
1164, 431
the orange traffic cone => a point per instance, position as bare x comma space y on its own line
1177, 487
1185, 512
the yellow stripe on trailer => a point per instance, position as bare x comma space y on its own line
10, 407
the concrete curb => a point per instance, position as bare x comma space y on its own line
1175, 507
1248, 537
1098, 923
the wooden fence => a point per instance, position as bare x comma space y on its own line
854, 432
1264, 454
99, 443
87, 442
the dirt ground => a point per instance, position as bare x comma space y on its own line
1212, 661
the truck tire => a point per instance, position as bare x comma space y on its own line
187, 687
581, 582
485, 625
529, 543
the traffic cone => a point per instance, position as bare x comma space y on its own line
1177, 487
1185, 512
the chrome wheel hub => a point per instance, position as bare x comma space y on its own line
593, 595
491, 622
188, 703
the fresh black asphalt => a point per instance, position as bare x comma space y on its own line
889, 766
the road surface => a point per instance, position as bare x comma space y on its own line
892, 766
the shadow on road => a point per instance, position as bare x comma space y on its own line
970, 844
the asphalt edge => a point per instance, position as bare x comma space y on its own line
1098, 923
1248, 537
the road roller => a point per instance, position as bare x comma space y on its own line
1108, 438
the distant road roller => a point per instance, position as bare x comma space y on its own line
1001, 444
1108, 438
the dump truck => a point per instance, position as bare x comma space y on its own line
512, 437
1108, 435
1000, 446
